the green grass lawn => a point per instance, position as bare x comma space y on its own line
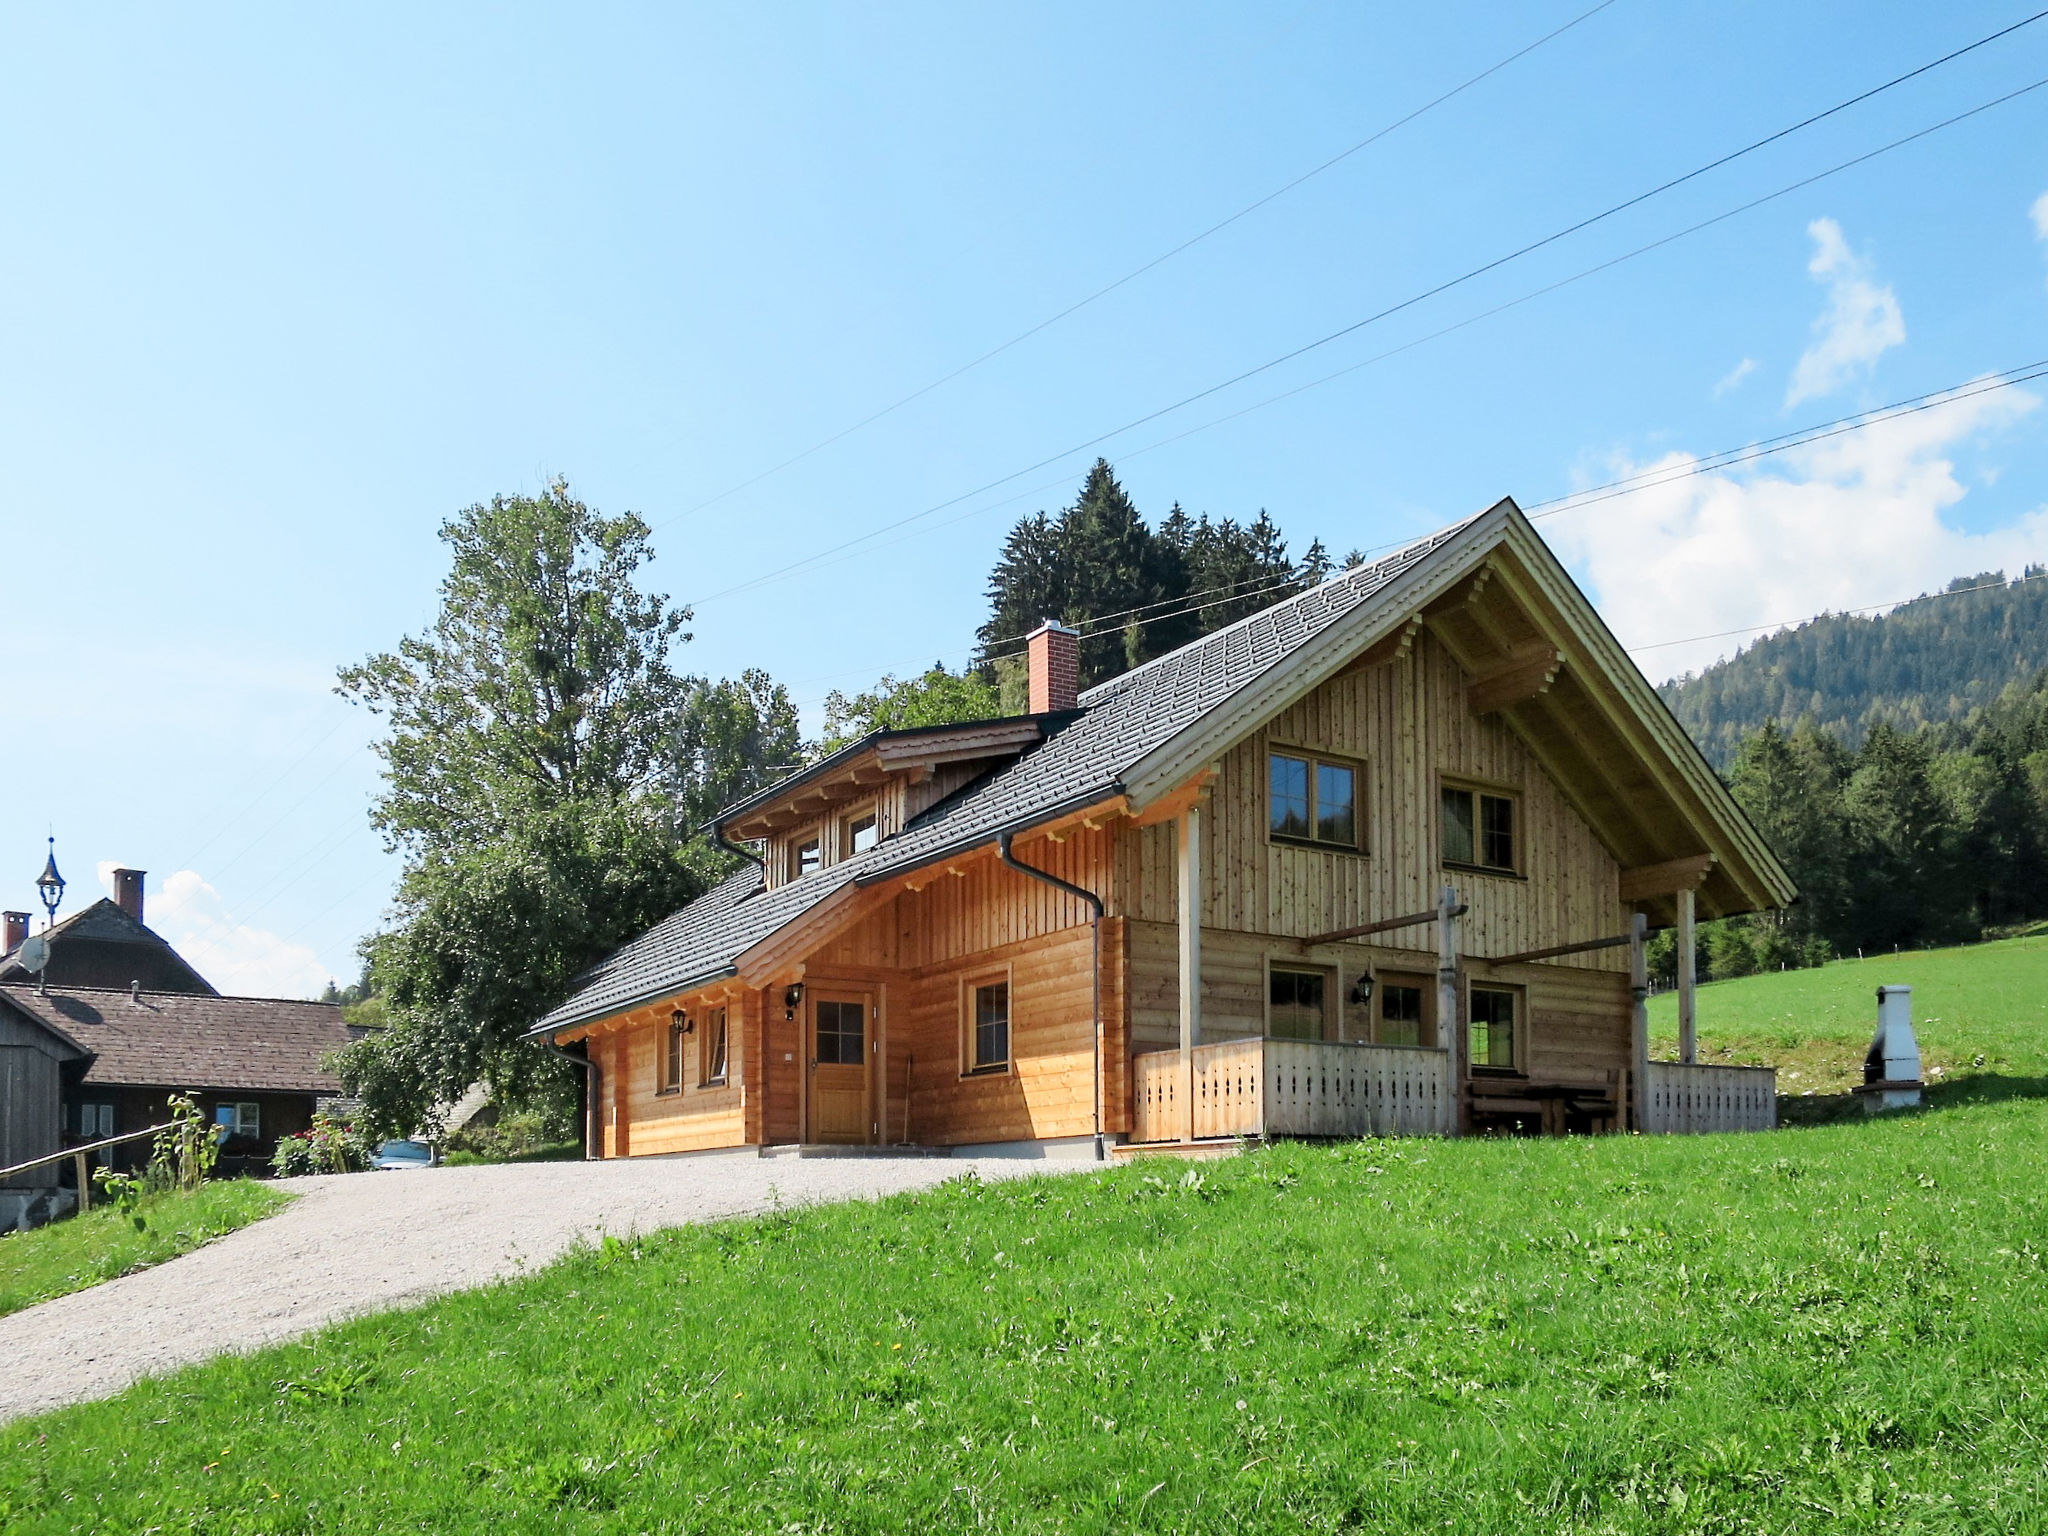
553, 1152
1979, 1011
1842, 1327
104, 1244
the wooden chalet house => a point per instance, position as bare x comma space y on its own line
1377, 859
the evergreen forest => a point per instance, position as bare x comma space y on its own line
1926, 662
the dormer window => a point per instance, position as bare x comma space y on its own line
859, 832
805, 857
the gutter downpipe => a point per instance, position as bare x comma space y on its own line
1095, 935
717, 830
593, 1097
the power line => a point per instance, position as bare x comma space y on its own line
1139, 271
823, 556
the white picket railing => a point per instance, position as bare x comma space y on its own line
1271, 1087
1681, 1098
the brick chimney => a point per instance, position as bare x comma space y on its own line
1054, 654
128, 892
17, 931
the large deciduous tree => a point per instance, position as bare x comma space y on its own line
530, 782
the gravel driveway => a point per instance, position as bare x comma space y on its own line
363, 1242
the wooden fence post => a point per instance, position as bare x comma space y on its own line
1688, 1014
1448, 1024
1190, 960
84, 1184
1639, 1019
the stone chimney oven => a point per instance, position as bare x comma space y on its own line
17, 930
1054, 654
128, 892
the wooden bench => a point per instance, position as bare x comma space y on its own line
1552, 1103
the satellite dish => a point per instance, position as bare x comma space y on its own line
34, 953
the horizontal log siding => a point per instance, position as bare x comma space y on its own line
1407, 723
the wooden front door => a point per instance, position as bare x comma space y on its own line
842, 1050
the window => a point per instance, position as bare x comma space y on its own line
804, 857
95, 1122
1493, 1029
858, 833
1402, 1020
1295, 1004
1479, 829
1312, 800
238, 1122
988, 1025
842, 1033
713, 1069
672, 1052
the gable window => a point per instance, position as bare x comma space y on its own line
858, 833
1402, 1006
804, 857
987, 1024
238, 1122
672, 1052
1312, 799
1479, 829
1295, 1007
1493, 1029
712, 1070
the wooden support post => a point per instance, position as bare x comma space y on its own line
1190, 914
1688, 1003
1639, 1019
84, 1184
1450, 1027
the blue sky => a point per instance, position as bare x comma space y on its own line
282, 289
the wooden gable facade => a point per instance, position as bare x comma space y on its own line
1394, 877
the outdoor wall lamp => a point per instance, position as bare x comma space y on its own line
1361, 992
682, 1021
792, 1000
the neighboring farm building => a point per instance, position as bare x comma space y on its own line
1377, 858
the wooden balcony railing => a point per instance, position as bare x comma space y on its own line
1273, 1087
1679, 1098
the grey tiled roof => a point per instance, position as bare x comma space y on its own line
193, 1040
1120, 721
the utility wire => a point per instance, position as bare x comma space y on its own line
820, 557
1137, 272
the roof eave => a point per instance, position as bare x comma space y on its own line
552, 1025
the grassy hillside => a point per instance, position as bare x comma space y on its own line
1843, 1327
104, 1244
1980, 1012
1922, 663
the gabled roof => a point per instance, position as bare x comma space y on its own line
103, 946
189, 1040
1143, 733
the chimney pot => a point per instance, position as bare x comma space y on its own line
16, 931
128, 891
1053, 654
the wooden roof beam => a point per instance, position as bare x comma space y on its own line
1646, 881
1390, 648
1522, 675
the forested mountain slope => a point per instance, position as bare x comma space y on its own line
1926, 662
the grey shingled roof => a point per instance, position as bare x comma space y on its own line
1118, 723
193, 1040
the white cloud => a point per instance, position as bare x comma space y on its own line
1855, 520
1735, 376
1860, 324
235, 957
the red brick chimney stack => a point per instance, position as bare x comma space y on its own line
17, 931
1054, 654
128, 892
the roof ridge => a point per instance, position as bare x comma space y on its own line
1108, 686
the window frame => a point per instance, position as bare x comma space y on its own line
668, 1064
1427, 1033
246, 1122
812, 837
871, 813
1479, 792
717, 1024
103, 1119
1518, 1005
971, 985
1300, 968
1316, 760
